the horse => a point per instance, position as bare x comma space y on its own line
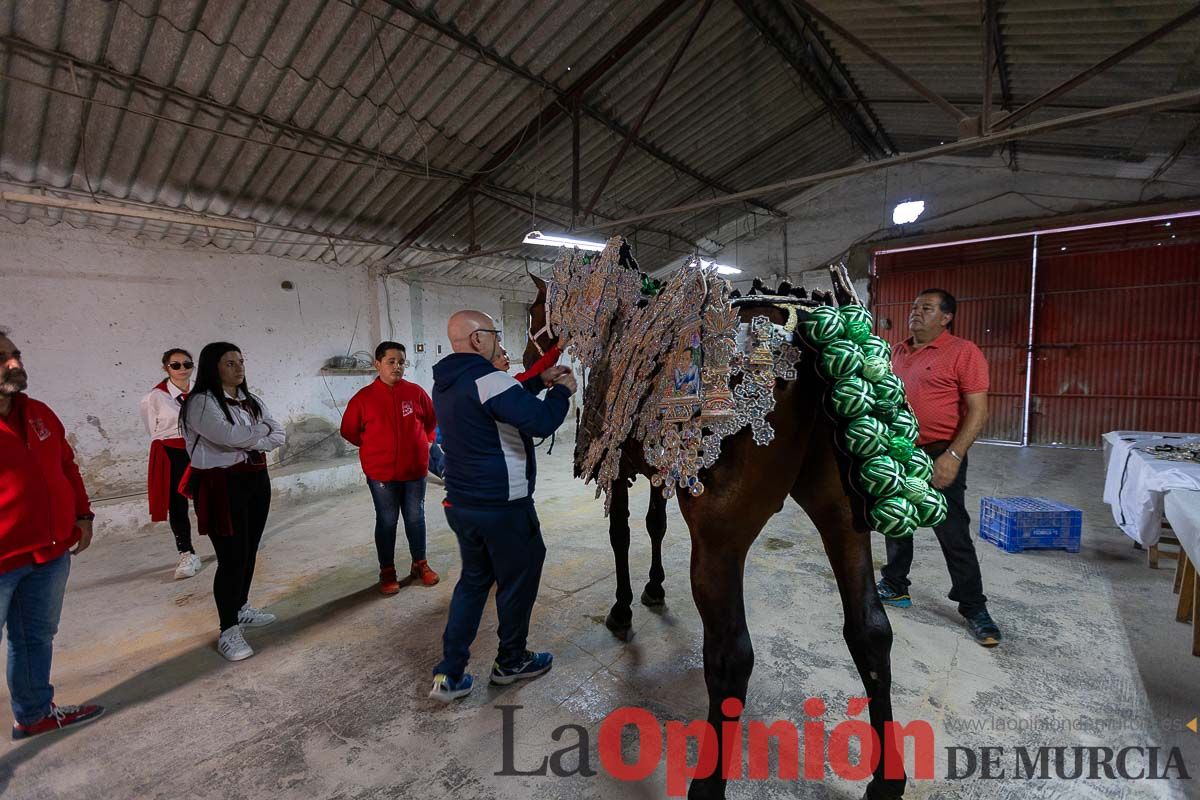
748, 484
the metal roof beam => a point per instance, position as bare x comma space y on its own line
1190, 97
650, 101
1099, 67
810, 11
561, 106
780, 31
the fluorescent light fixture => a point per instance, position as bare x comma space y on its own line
554, 240
908, 211
722, 269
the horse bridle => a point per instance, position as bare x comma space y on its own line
546, 329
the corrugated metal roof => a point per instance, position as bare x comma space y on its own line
340, 125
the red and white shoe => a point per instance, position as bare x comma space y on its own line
59, 717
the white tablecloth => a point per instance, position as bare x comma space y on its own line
1134, 481
1182, 509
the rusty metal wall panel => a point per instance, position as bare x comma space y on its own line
991, 283
1117, 339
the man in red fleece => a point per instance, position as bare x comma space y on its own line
391, 421
44, 512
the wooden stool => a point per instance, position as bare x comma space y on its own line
1188, 588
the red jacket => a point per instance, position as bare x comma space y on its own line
41, 490
392, 427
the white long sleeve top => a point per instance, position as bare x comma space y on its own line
213, 441
160, 412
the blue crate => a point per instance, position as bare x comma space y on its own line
1016, 524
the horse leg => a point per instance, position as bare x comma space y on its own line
866, 629
717, 576
620, 617
656, 525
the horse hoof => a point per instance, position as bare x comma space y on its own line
880, 790
621, 626
650, 601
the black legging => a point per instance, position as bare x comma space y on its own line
249, 503
177, 511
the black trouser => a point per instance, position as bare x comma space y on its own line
954, 535
249, 503
177, 511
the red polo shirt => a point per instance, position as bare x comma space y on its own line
936, 379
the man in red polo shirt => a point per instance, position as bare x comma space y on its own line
392, 423
44, 512
946, 380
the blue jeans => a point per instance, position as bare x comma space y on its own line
394, 499
501, 545
31, 600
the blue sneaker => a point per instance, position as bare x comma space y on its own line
984, 628
890, 597
531, 665
445, 690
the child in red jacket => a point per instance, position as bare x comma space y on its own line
44, 512
392, 423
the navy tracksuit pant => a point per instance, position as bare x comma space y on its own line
501, 545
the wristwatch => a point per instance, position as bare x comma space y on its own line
85, 517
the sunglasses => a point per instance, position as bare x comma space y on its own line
184, 365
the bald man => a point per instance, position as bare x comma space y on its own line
488, 422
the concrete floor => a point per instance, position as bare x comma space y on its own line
333, 705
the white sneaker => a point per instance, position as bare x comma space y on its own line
189, 565
232, 645
251, 617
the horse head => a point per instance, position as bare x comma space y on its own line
541, 337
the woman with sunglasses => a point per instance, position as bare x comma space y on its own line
228, 432
168, 458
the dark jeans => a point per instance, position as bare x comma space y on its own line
177, 511
31, 601
954, 535
501, 545
395, 499
249, 504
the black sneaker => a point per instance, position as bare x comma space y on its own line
890, 597
984, 628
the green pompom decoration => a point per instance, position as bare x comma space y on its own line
824, 325
889, 389
894, 517
919, 466
931, 510
876, 346
886, 410
858, 323
914, 490
865, 437
900, 448
874, 368
880, 476
840, 359
905, 424
851, 397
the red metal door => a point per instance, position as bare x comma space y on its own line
1116, 333
991, 281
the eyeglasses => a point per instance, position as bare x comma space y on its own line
184, 365
489, 330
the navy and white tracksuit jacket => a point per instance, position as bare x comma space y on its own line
488, 422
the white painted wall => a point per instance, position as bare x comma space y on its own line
93, 313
